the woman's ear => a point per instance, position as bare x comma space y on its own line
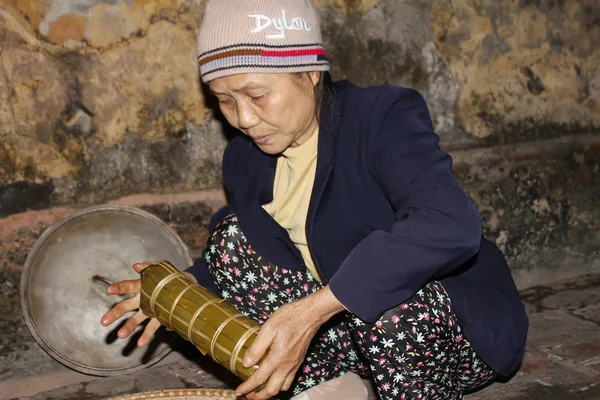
315, 78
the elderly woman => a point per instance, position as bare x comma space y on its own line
346, 235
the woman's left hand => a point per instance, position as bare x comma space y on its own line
286, 335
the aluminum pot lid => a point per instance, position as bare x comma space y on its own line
63, 299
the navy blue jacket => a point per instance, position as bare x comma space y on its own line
386, 216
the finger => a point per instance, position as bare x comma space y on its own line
140, 266
120, 309
256, 351
262, 374
149, 332
272, 388
258, 377
131, 324
124, 287
288, 382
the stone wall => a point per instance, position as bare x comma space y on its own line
101, 99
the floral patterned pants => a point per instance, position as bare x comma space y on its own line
414, 351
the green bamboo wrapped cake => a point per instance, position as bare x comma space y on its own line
215, 327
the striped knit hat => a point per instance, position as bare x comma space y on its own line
260, 36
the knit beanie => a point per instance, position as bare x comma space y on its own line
260, 36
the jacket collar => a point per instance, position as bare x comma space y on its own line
331, 116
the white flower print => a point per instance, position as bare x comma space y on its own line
213, 248
374, 349
387, 343
332, 335
251, 277
423, 316
420, 338
272, 297
232, 230
401, 335
310, 382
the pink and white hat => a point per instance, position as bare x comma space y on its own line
260, 36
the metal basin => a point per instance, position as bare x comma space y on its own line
63, 303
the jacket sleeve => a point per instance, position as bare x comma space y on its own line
436, 229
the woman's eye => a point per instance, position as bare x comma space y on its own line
256, 98
225, 101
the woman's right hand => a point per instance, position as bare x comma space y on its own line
131, 304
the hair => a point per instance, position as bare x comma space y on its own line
323, 92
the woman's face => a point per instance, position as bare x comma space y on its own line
275, 110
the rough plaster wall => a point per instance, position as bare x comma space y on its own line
89, 112
101, 98
81, 80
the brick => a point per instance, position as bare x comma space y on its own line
581, 352
590, 312
114, 385
535, 365
158, 378
567, 299
559, 326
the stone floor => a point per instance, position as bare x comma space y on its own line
562, 361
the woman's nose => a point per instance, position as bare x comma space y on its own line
247, 118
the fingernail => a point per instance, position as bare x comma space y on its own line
247, 362
238, 394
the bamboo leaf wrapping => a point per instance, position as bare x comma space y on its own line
215, 327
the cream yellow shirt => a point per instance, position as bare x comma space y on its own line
294, 180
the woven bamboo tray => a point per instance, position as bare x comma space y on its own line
181, 394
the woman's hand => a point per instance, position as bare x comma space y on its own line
286, 335
131, 304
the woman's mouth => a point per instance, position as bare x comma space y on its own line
263, 139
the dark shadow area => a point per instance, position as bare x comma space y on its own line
205, 363
22, 196
112, 335
211, 102
161, 337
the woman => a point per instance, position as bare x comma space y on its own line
346, 235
